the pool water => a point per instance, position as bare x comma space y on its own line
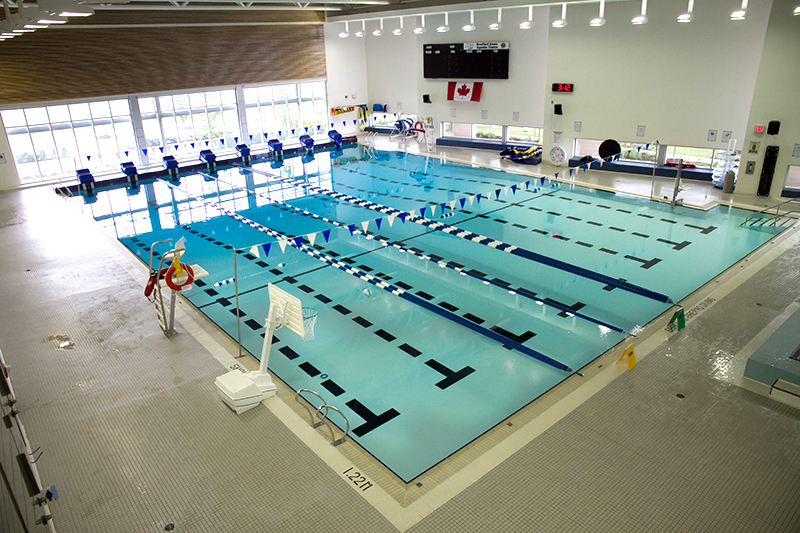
442, 353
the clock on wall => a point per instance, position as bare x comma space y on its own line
557, 155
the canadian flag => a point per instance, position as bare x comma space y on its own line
468, 92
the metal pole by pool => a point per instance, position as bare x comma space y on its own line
236, 290
653, 181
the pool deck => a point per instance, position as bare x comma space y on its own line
135, 438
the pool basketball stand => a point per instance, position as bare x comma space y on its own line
242, 391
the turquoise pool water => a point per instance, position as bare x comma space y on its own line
424, 370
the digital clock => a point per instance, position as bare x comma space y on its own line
563, 87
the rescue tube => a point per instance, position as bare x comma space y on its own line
151, 283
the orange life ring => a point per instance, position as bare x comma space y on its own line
173, 284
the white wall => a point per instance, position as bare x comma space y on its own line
347, 74
8, 171
776, 98
395, 71
677, 80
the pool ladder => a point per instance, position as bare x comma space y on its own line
318, 417
165, 320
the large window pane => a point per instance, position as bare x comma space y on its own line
80, 112
200, 125
152, 133
100, 109
250, 95
13, 118
44, 146
147, 105
58, 113
531, 135
120, 108
197, 100
36, 115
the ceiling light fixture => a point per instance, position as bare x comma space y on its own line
421, 28
740, 14
471, 25
398, 31
362, 31
687, 17
52, 21
641, 19
23, 31
34, 26
445, 28
599, 21
346, 33
75, 14
499, 24
526, 24
796, 11
562, 22
377, 33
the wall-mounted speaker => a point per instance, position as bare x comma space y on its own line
426, 99
558, 110
773, 127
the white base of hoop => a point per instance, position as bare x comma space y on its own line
241, 392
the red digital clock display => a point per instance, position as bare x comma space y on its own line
563, 87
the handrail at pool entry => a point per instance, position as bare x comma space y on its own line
397, 291
481, 239
323, 418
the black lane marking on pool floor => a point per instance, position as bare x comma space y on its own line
450, 376
309, 369
645, 263
332, 387
675, 245
371, 420
516, 338
611, 287
704, 231
577, 306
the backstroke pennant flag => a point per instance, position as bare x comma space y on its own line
465, 92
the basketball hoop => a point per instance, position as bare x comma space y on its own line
309, 319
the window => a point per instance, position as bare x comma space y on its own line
182, 124
286, 111
792, 178
493, 132
700, 157
49, 142
527, 135
638, 152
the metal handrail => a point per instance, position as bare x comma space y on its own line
323, 419
764, 211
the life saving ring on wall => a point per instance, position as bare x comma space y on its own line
419, 127
177, 284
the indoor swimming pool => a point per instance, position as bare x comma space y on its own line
448, 296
